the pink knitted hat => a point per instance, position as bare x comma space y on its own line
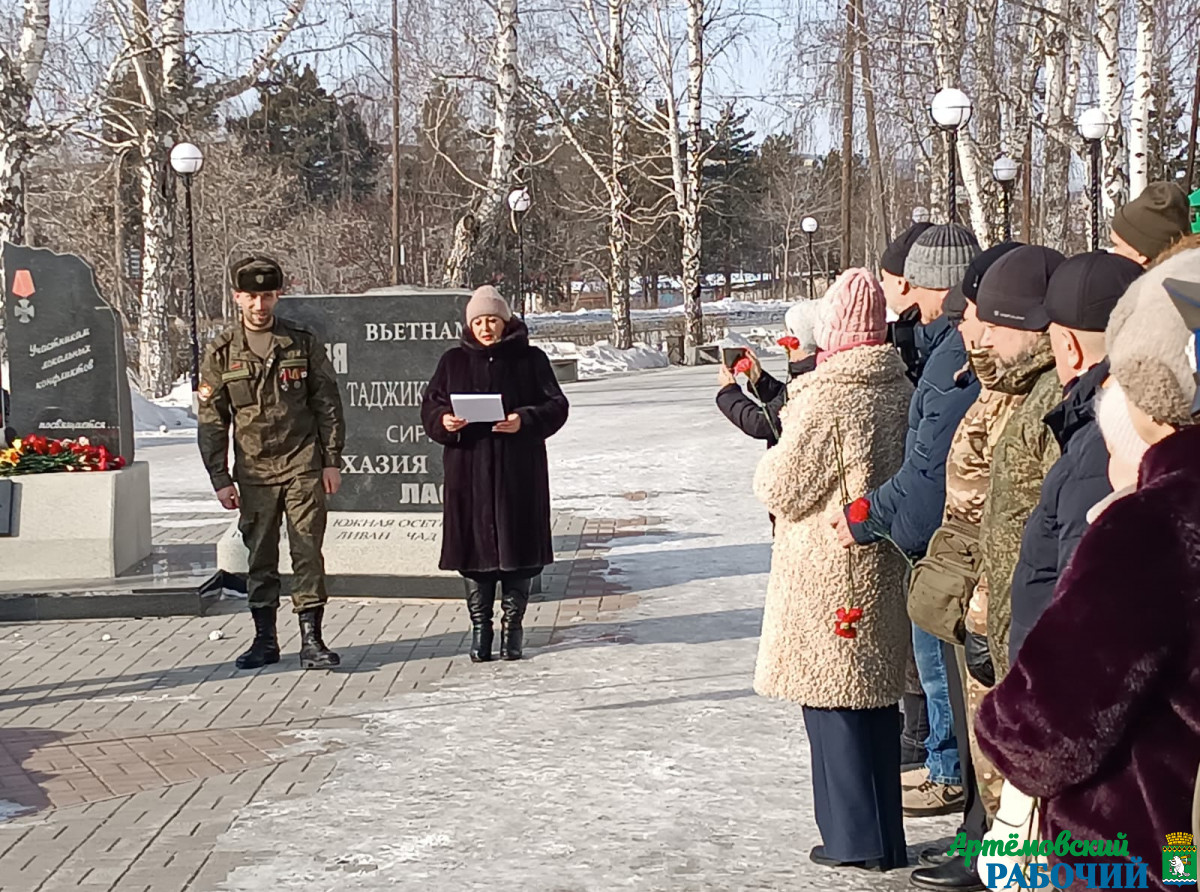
857, 312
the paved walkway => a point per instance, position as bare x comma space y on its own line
628, 752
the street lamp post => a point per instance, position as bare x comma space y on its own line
1093, 125
1004, 171
186, 161
518, 203
951, 110
920, 215
810, 226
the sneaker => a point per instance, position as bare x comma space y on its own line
933, 799
910, 780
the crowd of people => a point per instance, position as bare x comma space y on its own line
987, 511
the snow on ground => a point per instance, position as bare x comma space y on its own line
171, 414
632, 755
731, 309
602, 358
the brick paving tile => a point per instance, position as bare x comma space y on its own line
132, 756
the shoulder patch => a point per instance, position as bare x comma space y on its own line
204, 392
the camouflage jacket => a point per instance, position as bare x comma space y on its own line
968, 471
285, 411
1024, 454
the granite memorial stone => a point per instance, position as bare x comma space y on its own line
384, 348
67, 370
385, 524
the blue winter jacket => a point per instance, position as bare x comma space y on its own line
910, 505
1078, 480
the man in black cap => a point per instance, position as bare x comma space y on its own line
1079, 299
902, 331
1011, 304
271, 381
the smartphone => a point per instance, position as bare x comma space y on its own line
730, 355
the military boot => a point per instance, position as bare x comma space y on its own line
264, 650
481, 599
313, 652
513, 604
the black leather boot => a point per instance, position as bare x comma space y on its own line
481, 600
513, 602
264, 650
313, 652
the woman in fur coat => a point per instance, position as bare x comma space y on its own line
496, 518
844, 668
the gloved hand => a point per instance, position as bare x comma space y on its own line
979, 659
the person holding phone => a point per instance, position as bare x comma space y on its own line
496, 504
759, 417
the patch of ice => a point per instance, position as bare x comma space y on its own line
10, 810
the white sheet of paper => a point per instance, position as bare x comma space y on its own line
478, 407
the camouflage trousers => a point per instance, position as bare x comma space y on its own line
301, 501
986, 776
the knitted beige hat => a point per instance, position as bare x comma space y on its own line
1151, 347
486, 301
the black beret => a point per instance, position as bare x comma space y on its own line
893, 258
256, 274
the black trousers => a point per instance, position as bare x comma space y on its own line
975, 818
856, 784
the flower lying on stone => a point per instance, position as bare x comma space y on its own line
38, 455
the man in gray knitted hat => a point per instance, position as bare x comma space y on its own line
908, 508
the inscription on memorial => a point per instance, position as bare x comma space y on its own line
66, 352
384, 349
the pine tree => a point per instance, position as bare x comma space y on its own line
304, 129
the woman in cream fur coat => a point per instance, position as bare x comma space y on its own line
848, 687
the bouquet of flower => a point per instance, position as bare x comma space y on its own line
38, 455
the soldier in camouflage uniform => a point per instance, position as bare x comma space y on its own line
968, 472
968, 469
1011, 302
272, 383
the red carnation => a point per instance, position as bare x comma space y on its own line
789, 343
743, 366
859, 510
846, 618
56, 448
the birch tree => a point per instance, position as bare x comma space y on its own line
1142, 101
693, 183
19, 77
1058, 124
1111, 89
603, 29
684, 138
477, 228
165, 104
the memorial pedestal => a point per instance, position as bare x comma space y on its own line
367, 554
77, 526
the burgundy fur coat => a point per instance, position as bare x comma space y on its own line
497, 486
1100, 715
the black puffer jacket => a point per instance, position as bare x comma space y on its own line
748, 415
1078, 480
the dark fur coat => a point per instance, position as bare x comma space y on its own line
1100, 715
497, 486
